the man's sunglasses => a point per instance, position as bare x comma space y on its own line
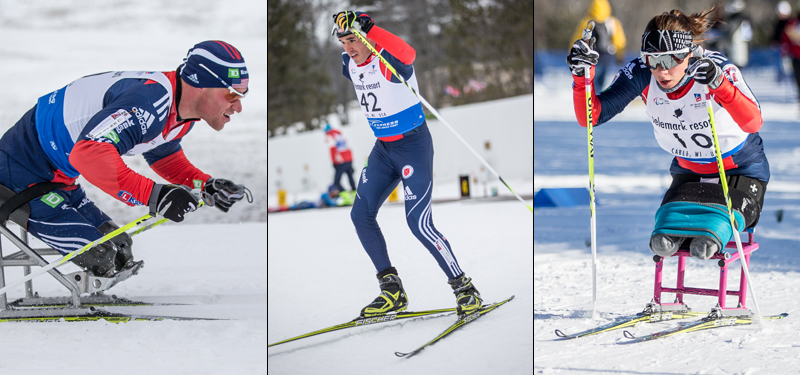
233, 94
667, 60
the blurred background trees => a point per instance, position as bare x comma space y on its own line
556, 20
467, 51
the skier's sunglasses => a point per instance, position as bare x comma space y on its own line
233, 94
667, 60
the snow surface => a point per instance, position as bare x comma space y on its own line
324, 279
632, 175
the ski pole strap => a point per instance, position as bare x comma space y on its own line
25, 196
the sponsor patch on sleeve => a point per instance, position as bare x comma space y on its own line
115, 123
128, 198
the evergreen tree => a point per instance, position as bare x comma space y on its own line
297, 87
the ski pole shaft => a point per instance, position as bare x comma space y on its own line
587, 35
438, 116
592, 208
724, 181
141, 228
135, 231
73, 254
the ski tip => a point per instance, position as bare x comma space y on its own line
401, 355
628, 335
560, 334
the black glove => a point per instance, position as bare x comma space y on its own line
353, 20
706, 72
172, 201
224, 193
582, 54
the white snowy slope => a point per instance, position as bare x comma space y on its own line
324, 277
217, 270
633, 175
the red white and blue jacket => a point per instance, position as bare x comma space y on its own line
680, 118
340, 152
391, 108
85, 127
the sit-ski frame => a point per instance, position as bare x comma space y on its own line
725, 259
77, 283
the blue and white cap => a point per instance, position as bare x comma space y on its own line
219, 57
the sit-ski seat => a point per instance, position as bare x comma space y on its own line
724, 259
79, 283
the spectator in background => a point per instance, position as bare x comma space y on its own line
330, 198
731, 33
342, 159
782, 13
610, 38
790, 44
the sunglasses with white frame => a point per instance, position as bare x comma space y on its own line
230, 88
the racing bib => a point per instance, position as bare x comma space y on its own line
682, 126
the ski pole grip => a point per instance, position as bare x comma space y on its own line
587, 32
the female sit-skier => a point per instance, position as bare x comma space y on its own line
669, 76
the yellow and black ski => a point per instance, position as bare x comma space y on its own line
92, 316
632, 320
362, 321
709, 322
462, 321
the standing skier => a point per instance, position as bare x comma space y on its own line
342, 158
403, 151
85, 127
670, 77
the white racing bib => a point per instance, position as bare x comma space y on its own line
390, 108
683, 129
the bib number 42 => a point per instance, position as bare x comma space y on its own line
366, 104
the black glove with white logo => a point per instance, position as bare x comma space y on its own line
706, 72
582, 54
172, 201
224, 193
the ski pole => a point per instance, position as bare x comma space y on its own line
724, 182
73, 254
196, 192
438, 116
135, 231
587, 35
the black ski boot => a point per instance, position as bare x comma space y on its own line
124, 243
468, 299
393, 297
98, 260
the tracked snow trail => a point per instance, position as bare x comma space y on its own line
493, 245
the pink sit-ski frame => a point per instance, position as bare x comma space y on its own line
747, 248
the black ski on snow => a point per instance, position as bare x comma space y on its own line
462, 321
362, 321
